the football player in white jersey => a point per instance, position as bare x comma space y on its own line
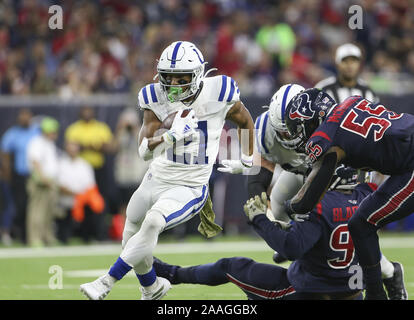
281, 165
175, 187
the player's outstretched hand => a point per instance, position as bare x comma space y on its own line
255, 206
234, 167
182, 127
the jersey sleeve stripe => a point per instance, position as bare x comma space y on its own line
223, 87
285, 94
232, 88
153, 95
144, 94
321, 134
256, 132
266, 117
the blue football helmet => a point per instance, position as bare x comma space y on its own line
305, 112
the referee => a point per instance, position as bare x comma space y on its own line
347, 82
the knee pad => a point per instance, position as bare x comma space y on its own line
154, 221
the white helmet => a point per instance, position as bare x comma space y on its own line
181, 57
277, 107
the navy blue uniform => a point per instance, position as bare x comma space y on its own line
371, 136
321, 246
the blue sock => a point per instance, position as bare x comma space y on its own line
119, 269
148, 278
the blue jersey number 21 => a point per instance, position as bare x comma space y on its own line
185, 158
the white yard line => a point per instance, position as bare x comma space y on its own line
166, 248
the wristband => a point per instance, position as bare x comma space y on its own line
168, 138
143, 150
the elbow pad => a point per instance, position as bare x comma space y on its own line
318, 185
258, 183
143, 150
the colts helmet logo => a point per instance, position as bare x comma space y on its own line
301, 108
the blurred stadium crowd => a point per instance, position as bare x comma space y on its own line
112, 46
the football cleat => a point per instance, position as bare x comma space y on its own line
395, 285
157, 290
98, 289
165, 270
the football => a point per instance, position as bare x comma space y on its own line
167, 123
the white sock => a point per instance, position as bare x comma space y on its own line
387, 268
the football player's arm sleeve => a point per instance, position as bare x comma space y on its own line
315, 185
292, 243
285, 187
258, 183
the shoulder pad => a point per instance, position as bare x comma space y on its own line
260, 132
150, 97
223, 89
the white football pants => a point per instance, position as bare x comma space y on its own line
154, 207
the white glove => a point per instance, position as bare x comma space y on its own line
241, 166
255, 206
181, 127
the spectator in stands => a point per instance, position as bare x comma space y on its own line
96, 141
348, 59
290, 31
42, 186
77, 186
15, 169
129, 167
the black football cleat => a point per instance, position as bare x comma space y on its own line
395, 285
165, 270
278, 258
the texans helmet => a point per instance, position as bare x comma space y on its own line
344, 178
305, 112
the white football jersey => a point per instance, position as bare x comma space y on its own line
271, 150
190, 162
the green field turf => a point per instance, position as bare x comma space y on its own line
24, 272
